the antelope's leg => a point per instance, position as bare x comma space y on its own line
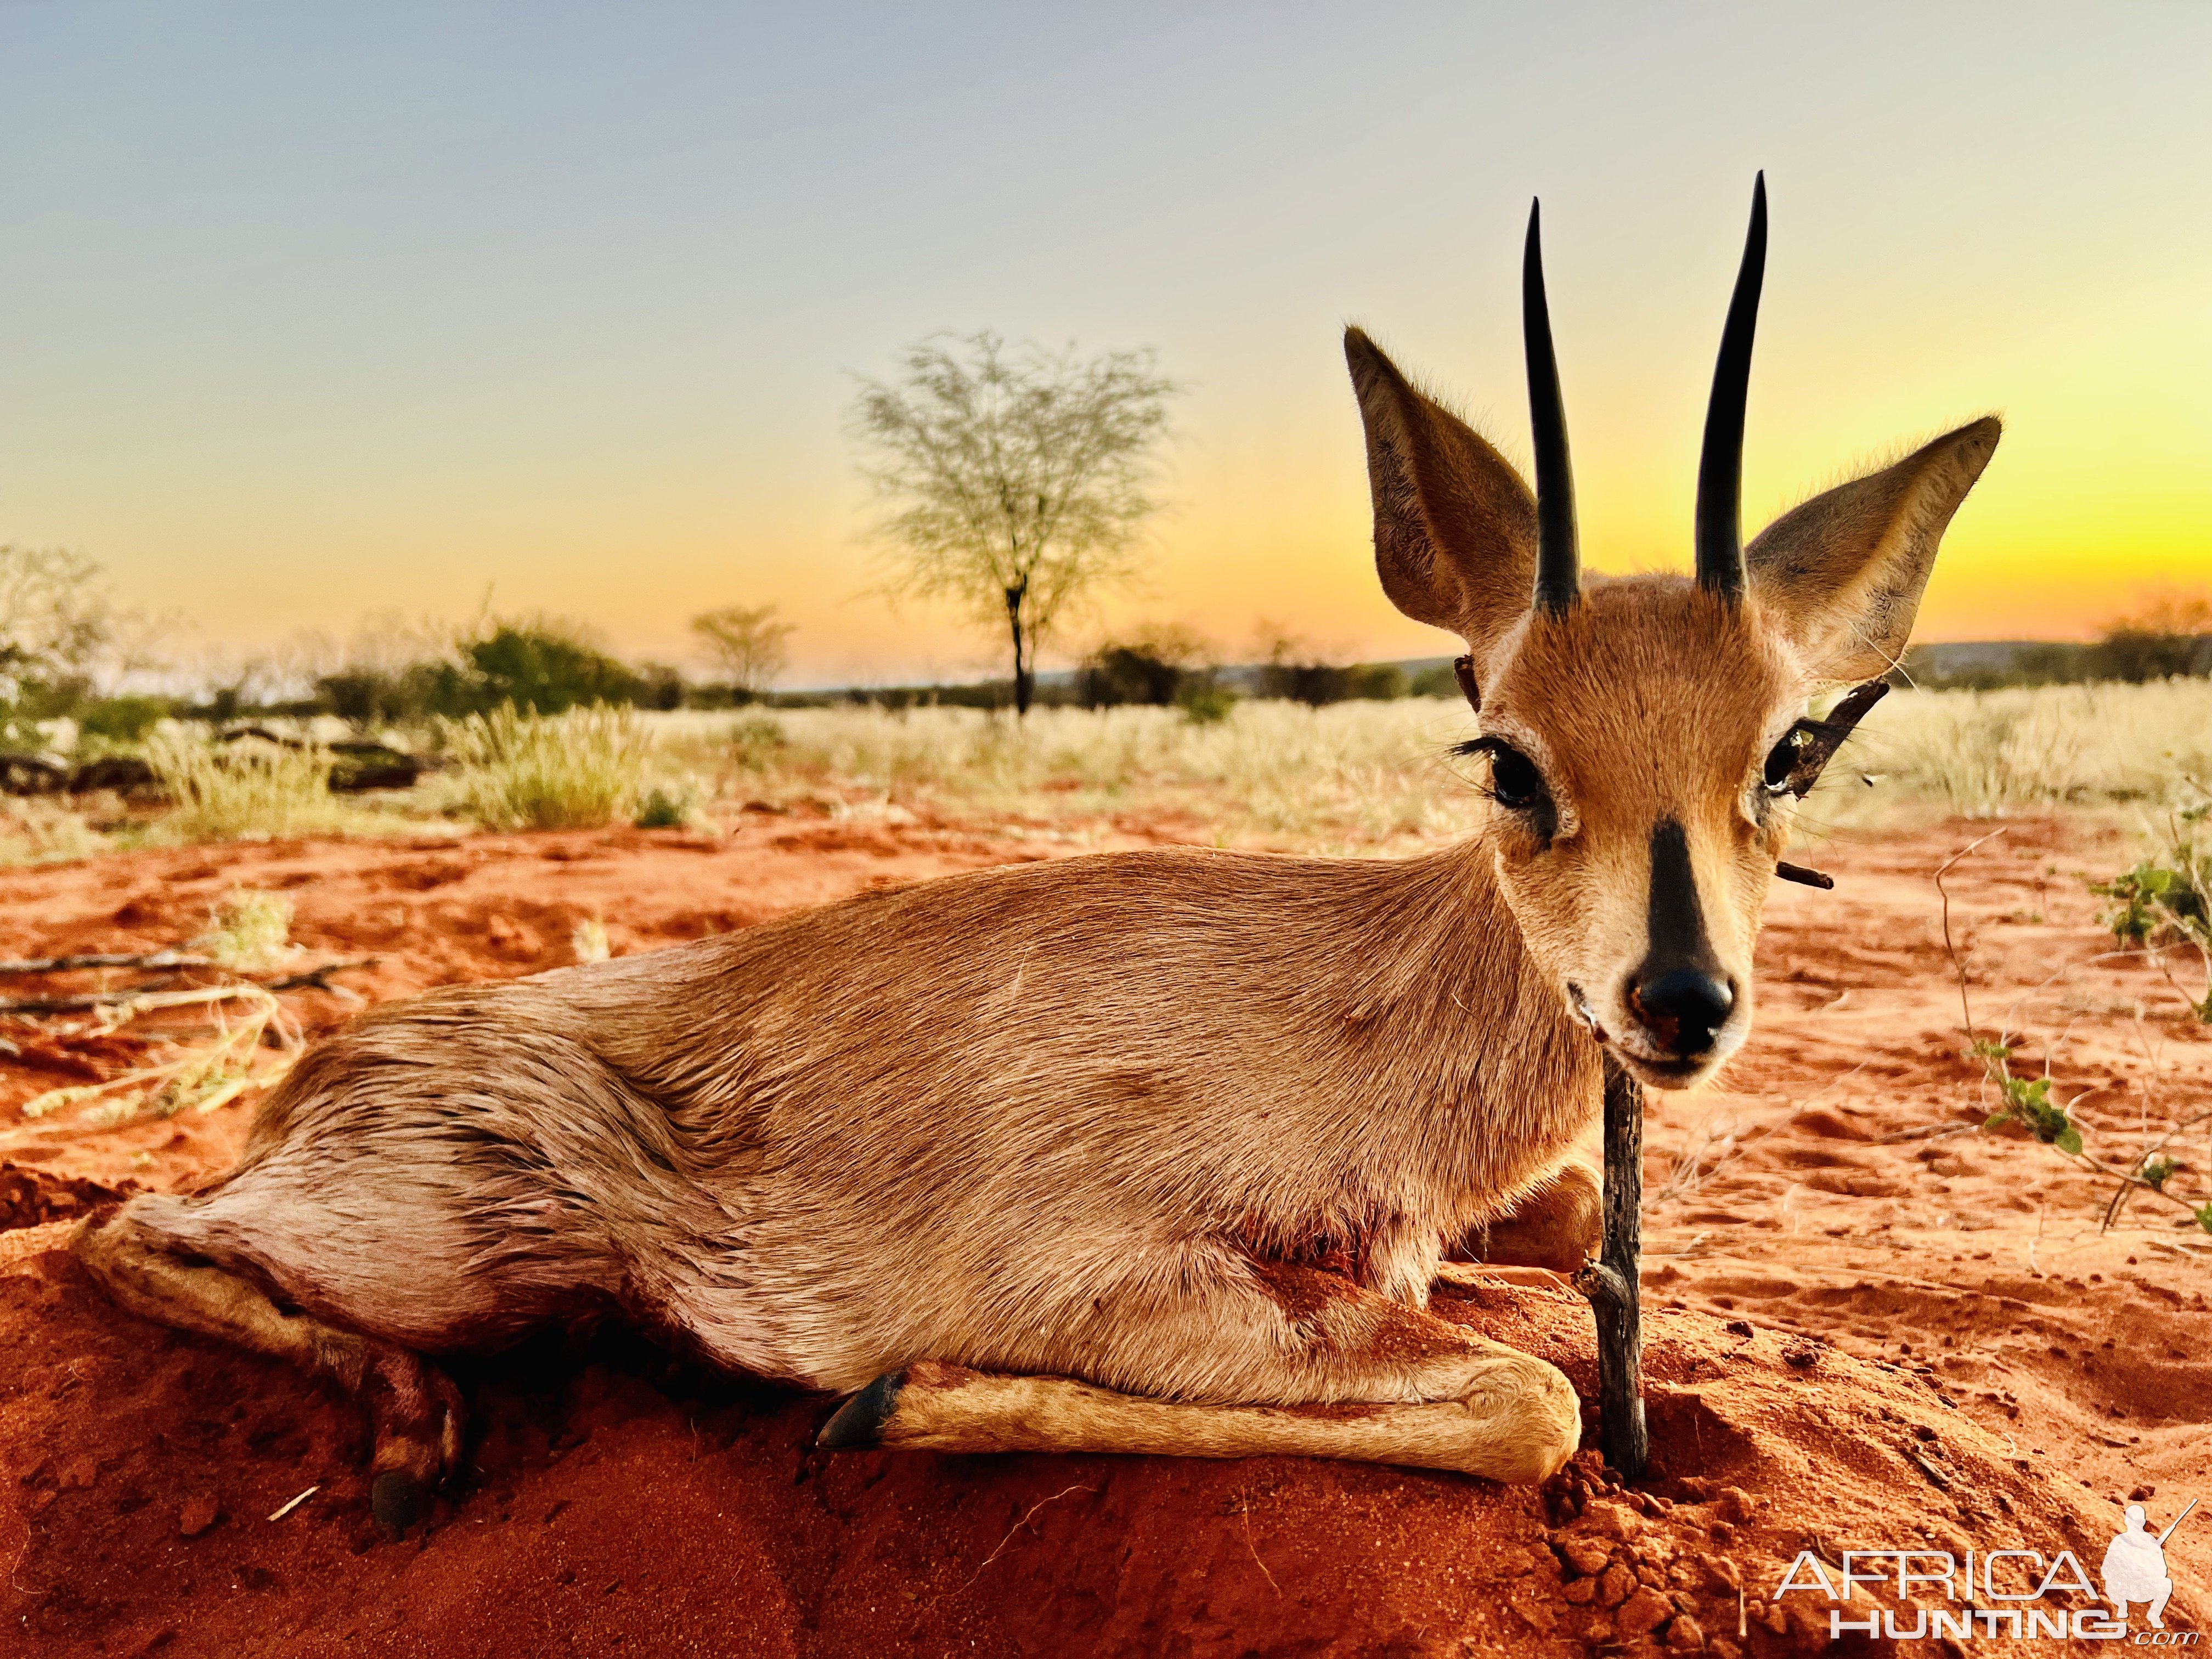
1518, 1421
413, 1409
1251, 1357
1560, 1225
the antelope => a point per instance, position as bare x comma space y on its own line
1155, 1152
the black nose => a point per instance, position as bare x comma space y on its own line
1682, 1008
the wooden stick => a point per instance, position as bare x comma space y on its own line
104, 959
1611, 1282
147, 996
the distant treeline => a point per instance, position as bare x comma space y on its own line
2132, 654
542, 666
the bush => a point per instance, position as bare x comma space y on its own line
580, 769
538, 669
1205, 703
666, 807
542, 666
120, 721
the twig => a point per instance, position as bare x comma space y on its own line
317, 977
1928, 1132
1247, 1513
286, 1508
1958, 966
1023, 1521
141, 997
106, 959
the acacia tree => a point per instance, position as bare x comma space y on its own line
1020, 477
747, 642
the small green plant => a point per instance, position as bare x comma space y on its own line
2165, 901
2027, 1103
666, 807
1204, 703
581, 769
2153, 898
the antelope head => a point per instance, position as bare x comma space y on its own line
1647, 737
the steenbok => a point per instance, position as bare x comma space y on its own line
1152, 1151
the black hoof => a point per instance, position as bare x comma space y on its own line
859, 1421
398, 1500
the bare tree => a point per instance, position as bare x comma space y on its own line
1022, 477
746, 642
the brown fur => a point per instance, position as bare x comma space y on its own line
1075, 1145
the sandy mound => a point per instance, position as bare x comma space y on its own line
1864, 1334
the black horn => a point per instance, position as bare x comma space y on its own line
1559, 557
1720, 469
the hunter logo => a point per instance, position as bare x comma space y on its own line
2006, 1594
2135, 1566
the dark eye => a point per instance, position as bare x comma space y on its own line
1514, 780
1514, 783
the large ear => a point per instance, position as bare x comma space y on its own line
1454, 526
1844, 572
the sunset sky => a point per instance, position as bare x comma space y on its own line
310, 312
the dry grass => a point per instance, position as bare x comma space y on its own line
1369, 776
579, 771
1356, 776
35, 831
1359, 777
246, 791
2000, 754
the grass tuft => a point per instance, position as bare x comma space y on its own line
250, 934
244, 791
579, 770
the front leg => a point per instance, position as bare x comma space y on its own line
1277, 1359
1560, 1226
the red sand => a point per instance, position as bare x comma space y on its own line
1855, 1340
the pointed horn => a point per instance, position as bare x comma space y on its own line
1558, 556
1720, 469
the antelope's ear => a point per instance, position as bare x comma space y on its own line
1844, 573
1454, 526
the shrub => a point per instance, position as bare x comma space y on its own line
581, 770
1206, 703
537, 668
120, 721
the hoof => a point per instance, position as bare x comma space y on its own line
859, 1421
398, 1500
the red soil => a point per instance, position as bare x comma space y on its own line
1856, 1340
